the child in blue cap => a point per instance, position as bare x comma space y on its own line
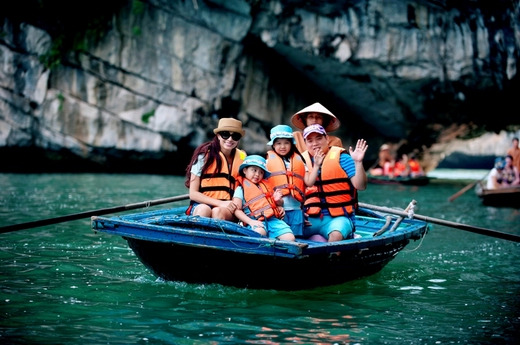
290, 175
257, 205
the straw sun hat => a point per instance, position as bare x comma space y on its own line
298, 119
230, 125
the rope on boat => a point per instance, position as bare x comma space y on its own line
422, 239
237, 245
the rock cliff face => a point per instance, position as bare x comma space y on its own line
423, 73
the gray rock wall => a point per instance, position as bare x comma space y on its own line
156, 84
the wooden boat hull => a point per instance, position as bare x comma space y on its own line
503, 197
410, 181
175, 250
209, 265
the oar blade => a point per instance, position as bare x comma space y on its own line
86, 214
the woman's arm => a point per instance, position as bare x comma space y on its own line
517, 176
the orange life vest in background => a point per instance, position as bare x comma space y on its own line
221, 185
259, 199
332, 185
415, 167
399, 168
291, 180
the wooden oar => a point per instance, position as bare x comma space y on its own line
477, 230
86, 214
465, 189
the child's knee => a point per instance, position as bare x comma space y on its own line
287, 237
202, 210
335, 235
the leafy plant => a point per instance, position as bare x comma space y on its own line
146, 116
61, 100
72, 25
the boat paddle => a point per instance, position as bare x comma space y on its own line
86, 214
477, 230
465, 189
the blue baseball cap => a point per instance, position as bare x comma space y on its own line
499, 163
281, 131
258, 161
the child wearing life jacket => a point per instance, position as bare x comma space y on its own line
290, 175
256, 203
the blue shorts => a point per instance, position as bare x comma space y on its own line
326, 224
276, 227
294, 218
191, 208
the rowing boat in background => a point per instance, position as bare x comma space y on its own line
408, 180
501, 197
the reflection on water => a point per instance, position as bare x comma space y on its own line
64, 281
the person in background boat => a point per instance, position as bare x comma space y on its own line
385, 163
332, 202
402, 166
290, 175
415, 167
257, 205
213, 170
514, 151
510, 175
494, 180
315, 114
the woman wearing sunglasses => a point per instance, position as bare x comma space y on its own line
212, 172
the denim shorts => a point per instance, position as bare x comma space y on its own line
294, 218
276, 227
192, 207
326, 224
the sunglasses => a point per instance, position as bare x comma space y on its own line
226, 135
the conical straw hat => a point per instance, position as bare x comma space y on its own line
297, 119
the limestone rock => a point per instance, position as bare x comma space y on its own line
162, 75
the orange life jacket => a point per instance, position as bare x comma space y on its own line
332, 185
414, 166
221, 185
259, 199
399, 168
290, 180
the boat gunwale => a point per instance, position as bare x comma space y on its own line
127, 226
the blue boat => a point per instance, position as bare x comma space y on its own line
501, 197
193, 249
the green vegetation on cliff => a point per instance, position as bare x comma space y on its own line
72, 25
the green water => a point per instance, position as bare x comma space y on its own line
63, 284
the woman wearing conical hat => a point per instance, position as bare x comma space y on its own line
315, 114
